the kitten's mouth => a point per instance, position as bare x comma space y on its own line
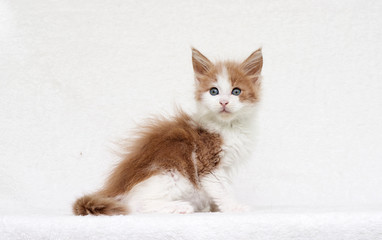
224, 111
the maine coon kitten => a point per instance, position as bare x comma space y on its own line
184, 164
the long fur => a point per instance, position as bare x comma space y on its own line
97, 204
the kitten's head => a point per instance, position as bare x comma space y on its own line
227, 90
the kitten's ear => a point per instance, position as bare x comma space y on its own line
200, 63
253, 64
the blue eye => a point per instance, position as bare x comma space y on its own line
214, 91
236, 91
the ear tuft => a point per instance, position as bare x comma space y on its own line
200, 63
254, 63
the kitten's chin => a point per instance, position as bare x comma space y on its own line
244, 113
226, 115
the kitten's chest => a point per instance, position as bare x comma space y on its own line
236, 147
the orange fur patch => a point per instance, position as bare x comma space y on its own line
250, 87
166, 145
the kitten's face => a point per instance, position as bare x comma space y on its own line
227, 89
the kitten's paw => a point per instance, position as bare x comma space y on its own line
235, 208
181, 208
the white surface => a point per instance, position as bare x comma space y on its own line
75, 75
261, 225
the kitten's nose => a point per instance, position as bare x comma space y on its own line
223, 102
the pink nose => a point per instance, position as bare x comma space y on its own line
223, 102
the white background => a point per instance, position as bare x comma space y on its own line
76, 76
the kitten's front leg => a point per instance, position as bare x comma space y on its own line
218, 186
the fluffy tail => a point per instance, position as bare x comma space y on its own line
98, 205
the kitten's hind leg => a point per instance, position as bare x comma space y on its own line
167, 192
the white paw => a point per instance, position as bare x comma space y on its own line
181, 208
177, 207
234, 207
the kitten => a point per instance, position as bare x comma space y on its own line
184, 164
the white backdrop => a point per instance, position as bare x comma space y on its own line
75, 76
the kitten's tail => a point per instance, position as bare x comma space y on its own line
97, 204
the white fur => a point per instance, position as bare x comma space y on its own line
168, 192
